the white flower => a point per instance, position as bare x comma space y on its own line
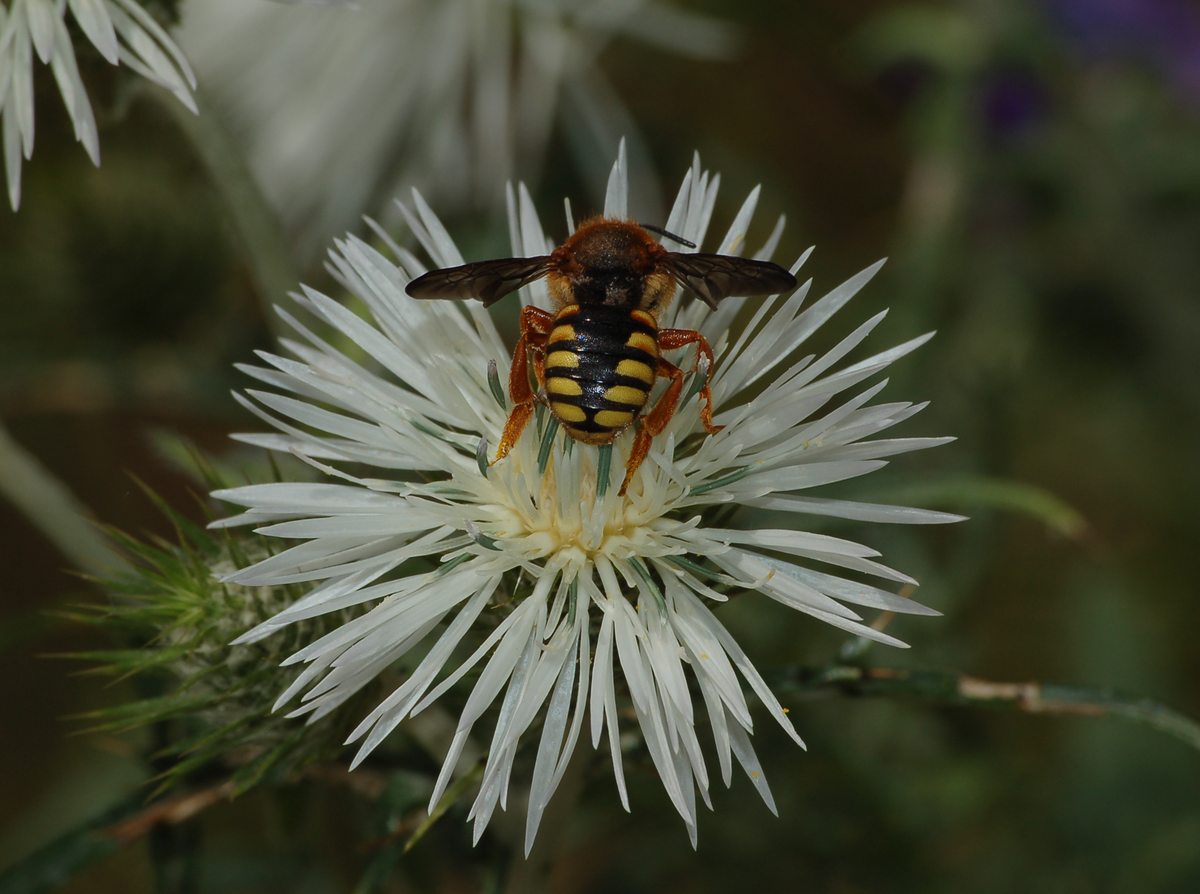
443, 94
576, 592
120, 30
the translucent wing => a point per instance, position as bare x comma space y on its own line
489, 281
713, 277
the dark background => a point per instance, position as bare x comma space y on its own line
1033, 171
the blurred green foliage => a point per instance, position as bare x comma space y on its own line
1039, 196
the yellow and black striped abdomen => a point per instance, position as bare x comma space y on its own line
600, 364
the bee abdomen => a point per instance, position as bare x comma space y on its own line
600, 364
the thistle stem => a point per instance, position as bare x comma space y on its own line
948, 688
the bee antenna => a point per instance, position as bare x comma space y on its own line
653, 229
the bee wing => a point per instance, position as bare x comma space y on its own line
713, 277
489, 281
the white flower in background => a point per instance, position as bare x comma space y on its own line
572, 594
338, 103
120, 30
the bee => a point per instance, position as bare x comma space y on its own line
597, 356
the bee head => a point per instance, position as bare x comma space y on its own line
610, 262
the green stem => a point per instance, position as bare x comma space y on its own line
258, 229
53, 509
948, 688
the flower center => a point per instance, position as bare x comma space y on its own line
563, 515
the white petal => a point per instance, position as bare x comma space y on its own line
744, 752
389, 713
495, 675
854, 510
616, 197
12, 157
743, 664
94, 21
20, 100
42, 17
604, 703
549, 753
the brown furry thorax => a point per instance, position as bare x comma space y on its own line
611, 262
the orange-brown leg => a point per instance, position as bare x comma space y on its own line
655, 421
539, 367
669, 339
535, 329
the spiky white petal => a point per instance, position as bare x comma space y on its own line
120, 30
447, 94
547, 546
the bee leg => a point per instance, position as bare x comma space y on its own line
535, 329
655, 421
539, 369
669, 339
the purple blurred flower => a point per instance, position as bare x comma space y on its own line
1012, 102
1164, 34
